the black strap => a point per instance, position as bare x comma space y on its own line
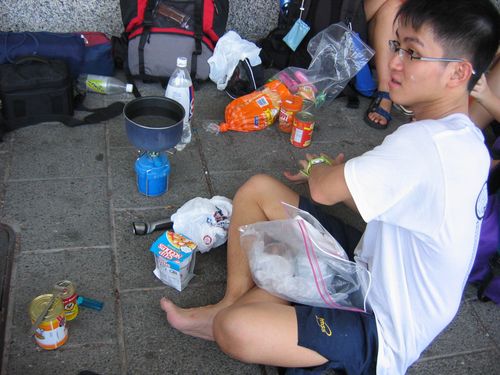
147, 23
349, 9
130, 78
198, 35
97, 115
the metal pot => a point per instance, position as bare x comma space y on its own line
153, 123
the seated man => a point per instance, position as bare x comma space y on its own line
421, 192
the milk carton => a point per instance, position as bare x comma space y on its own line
174, 257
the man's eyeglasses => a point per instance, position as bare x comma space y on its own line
396, 48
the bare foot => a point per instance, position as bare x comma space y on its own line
195, 322
385, 104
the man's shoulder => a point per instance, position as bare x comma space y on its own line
431, 127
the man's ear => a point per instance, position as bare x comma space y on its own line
461, 73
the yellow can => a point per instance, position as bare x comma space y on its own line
68, 296
52, 332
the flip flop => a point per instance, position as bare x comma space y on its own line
375, 107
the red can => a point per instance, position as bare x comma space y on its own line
303, 126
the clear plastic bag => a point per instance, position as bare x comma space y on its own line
298, 260
338, 54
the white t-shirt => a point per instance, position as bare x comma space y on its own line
422, 193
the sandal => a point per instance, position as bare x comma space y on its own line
375, 107
403, 110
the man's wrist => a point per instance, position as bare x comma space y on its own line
319, 160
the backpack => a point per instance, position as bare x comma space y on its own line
245, 79
318, 14
485, 272
159, 31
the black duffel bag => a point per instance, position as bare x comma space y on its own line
35, 90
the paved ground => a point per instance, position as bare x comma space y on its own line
70, 196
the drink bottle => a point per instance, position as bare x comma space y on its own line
103, 84
180, 89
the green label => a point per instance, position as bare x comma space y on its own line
95, 85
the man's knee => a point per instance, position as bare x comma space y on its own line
231, 334
256, 185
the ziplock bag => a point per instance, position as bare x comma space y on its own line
338, 54
298, 260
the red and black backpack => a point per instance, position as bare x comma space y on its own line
159, 31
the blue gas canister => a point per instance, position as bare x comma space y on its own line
153, 170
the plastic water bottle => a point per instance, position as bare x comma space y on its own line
103, 84
180, 89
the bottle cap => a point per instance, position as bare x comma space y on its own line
129, 87
182, 62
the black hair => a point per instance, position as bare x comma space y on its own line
466, 29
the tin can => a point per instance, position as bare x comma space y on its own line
289, 107
68, 297
303, 126
52, 332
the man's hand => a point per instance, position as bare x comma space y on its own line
302, 176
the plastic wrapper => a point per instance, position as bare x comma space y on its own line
204, 221
298, 260
255, 111
338, 54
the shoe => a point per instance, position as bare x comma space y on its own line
375, 107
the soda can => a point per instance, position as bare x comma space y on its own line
303, 126
68, 296
52, 331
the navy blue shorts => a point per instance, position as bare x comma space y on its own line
347, 339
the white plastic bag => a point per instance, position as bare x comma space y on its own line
204, 221
298, 260
228, 52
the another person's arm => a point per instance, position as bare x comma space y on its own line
486, 97
481, 111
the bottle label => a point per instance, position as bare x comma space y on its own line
95, 85
184, 95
